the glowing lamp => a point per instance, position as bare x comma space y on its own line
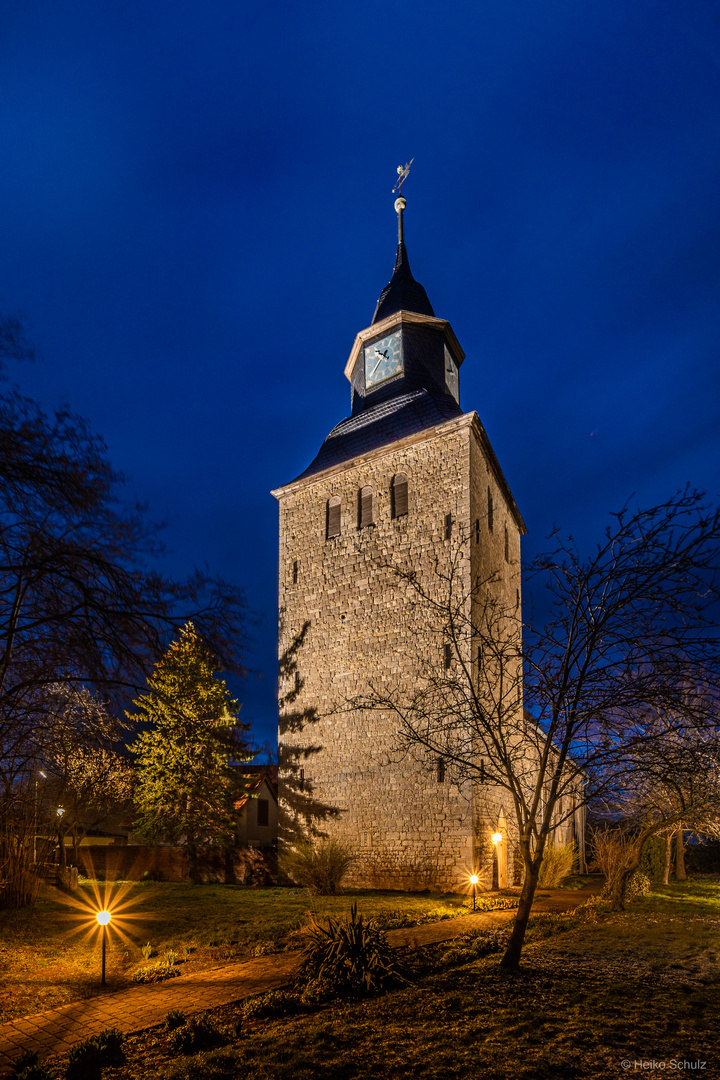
103, 917
496, 837
474, 881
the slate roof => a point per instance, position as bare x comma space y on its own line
383, 424
403, 292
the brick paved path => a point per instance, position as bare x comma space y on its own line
56, 1030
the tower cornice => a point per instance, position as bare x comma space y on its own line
467, 420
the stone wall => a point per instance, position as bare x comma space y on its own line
351, 623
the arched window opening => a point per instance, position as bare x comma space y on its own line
333, 516
365, 507
399, 495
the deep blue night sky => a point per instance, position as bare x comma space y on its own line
197, 218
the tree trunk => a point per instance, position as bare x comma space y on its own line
62, 855
511, 959
680, 872
668, 859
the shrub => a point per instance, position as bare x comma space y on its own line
153, 974
27, 1067
199, 1032
275, 1003
147, 951
653, 858
174, 1019
86, 1059
320, 866
171, 958
638, 885
557, 863
471, 946
349, 957
614, 854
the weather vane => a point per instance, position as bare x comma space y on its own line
402, 171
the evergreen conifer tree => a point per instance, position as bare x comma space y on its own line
187, 783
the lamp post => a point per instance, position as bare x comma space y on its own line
473, 882
38, 773
103, 918
496, 838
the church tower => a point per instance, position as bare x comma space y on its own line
403, 490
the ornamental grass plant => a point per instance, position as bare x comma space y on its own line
348, 958
320, 866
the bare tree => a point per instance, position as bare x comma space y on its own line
85, 771
674, 788
620, 664
81, 603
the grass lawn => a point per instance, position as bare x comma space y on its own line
50, 954
638, 986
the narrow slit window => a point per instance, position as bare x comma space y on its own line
507, 545
263, 812
448, 526
477, 530
479, 664
440, 767
295, 572
399, 495
333, 516
491, 511
447, 657
365, 507
517, 599
302, 780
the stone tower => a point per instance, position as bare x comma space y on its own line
408, 483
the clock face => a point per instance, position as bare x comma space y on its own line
383, 358
451, 376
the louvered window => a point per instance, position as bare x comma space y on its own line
365, 507
490, 511
399, 495
333, 516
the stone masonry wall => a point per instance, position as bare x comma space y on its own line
364, 628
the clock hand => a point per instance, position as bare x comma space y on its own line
381, 356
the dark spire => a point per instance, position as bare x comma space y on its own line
403, 292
